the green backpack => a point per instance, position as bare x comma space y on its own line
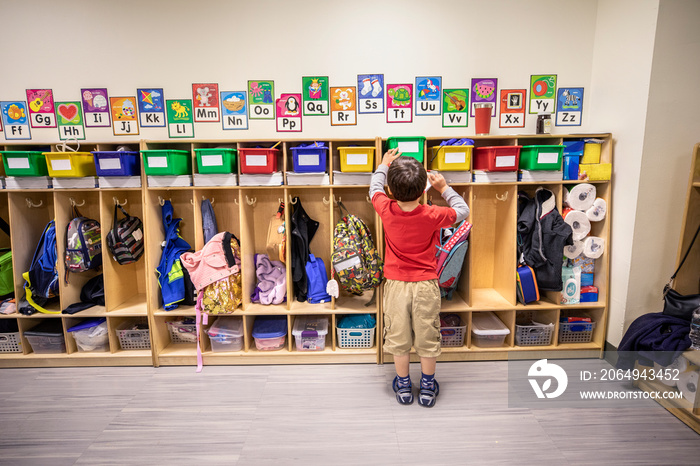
355, 259
7, 284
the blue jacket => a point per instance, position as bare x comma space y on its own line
651, 338
170, 275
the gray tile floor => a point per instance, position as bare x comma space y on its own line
312, 415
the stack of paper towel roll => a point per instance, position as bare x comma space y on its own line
583, 208
688, 377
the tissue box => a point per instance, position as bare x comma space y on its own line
596, 171
589, 294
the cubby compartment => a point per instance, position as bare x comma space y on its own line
45, 336
226, 334
89, 335
355, 332
491, 330
581, 334
453, 329
535, 328
353, 161
10, 338
311, 333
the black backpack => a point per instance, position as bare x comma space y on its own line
125, 239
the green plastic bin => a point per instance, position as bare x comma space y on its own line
216, 160
166, 162
24, 163
411, 146
541, 157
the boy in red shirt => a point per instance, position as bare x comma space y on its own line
411, 292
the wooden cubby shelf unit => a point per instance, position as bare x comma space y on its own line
132, 292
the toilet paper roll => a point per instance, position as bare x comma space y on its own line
593, 247
581, 196
688, 385
580, 225
572, 252
597, 211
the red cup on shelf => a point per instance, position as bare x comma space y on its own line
483, 117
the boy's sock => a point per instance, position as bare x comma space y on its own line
429, 389
404, 390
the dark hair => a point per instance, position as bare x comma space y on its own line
406, 179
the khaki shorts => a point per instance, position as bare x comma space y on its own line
412, 317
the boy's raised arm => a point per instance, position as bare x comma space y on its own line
454, 200
376, 185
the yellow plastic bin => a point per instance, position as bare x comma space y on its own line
356, 159
70, 164
451, 158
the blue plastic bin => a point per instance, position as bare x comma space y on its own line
270, 332
117, 163
309, 159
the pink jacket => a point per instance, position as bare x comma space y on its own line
211, 263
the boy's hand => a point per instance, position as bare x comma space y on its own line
390, 156
437, 181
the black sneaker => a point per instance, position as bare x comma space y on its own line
404, 395
428, 394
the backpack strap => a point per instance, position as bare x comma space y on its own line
4, 226
114, 223
343, 210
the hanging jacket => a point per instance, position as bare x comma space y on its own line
170, 275
303, 230
542, 235
209, 226
213, 262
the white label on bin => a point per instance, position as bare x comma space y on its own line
455, 157
157, 162
212, 160
347, 263
505, 161
309, 159
16, 163
256, 160
548, 157
357, 159
60, 165
409, 146
112, 163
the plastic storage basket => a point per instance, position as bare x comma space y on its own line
487, 330
310, 333
216, 160
10, 343
533, 335
258, 160
70, 164
541, 157
453, 336
166, 162
24, 163
576, 332
356, 159
309, 159
450, 158
117, 163
496, 158
226, 334
356, 337
270, 332
91, 335
412, 146
183, 331
134, 335
47, 337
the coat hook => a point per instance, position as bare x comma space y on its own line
235, 201
250, 201
75, 204
325, 201
292, 201
464, 194
31, 204
340, 199
116, 201
504, 197
192, 201
368, 199
204, 199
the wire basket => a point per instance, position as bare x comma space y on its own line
10, 343
356, 337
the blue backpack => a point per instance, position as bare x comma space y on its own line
318, 278
451, 251
41, 281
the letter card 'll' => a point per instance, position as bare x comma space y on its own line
16, 120
484, 90
261, 100
96, 107
314, 93
428, 95
289, 113
234, 110
543, 90
455, 104
69, 118
399, 106
151, 107
205, 97
180, 119
343, 106
512, 108
371, 95
124, 116
569, 106
41, 110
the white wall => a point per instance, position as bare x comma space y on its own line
128, 44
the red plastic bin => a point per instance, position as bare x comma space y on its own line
258, 159
496, 158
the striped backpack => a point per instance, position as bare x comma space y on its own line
125, 239
450, 257
83, 244
355, 259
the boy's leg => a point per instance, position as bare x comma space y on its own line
427, 365
426, 326
401, 364
397, 337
